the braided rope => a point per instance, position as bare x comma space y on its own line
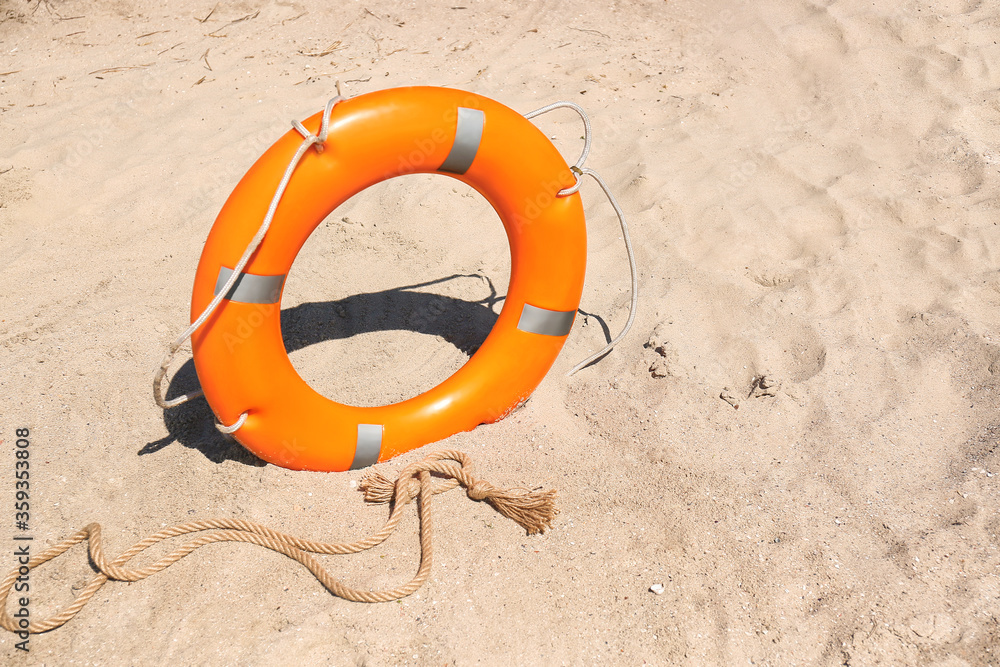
633, 273
579, 171
533, 510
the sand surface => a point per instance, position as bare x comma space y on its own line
798, 439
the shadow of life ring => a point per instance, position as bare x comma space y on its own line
239, 353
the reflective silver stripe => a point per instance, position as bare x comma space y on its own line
468, 134
250, 288
369, 445
546, 322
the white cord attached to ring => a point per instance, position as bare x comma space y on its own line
235, 427
579, 170
308, 140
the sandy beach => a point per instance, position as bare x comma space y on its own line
798, 439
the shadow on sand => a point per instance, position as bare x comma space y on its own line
464, 324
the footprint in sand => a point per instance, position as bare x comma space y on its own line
765, 386
665, 362
762, 386
935, 628
753, 342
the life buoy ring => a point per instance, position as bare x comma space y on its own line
239, 353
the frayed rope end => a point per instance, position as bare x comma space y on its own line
532, 510
377, 487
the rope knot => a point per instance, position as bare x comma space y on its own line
318, 141
308, 137
480, 490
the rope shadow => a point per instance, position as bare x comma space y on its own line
464, 324
605, 329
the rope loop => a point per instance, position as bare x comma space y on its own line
587, 137
633, 272
578, 172
235, 427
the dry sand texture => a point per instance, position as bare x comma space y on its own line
812, 187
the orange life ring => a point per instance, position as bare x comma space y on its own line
239, 353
